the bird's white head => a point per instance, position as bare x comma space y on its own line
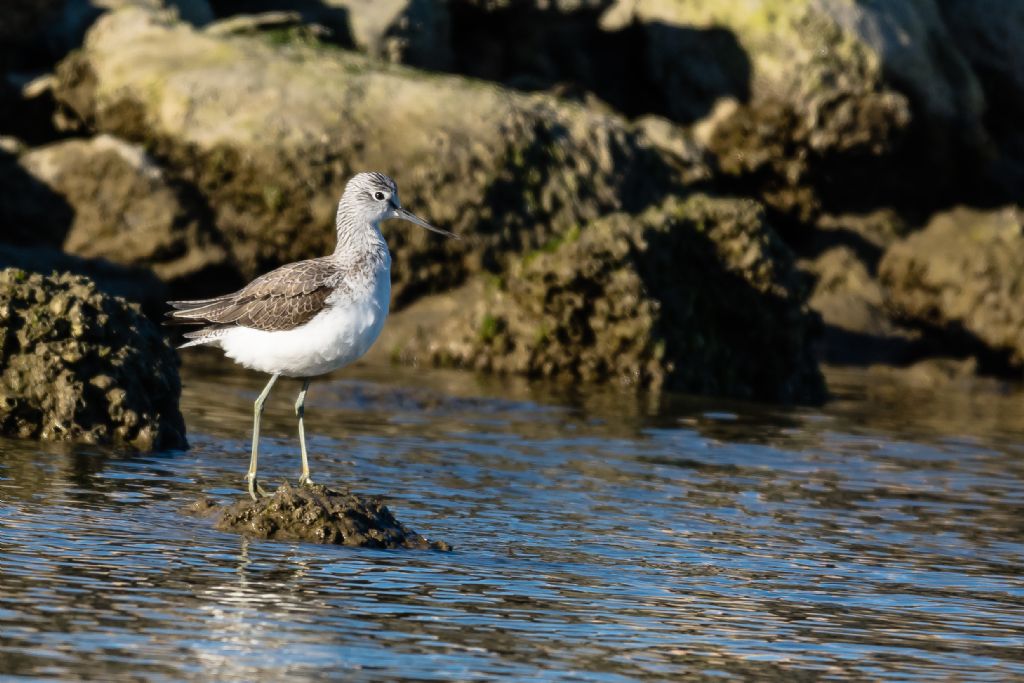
370, 198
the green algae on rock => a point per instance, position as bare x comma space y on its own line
80, 365
319, 514
695, 295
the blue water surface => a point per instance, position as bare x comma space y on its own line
597, 537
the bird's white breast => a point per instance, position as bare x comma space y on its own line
335, 337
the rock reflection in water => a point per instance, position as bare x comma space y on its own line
596, 537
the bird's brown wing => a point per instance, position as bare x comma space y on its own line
282, 299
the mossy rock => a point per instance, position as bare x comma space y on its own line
697, 295
80, 365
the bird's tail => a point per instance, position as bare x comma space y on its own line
205, 335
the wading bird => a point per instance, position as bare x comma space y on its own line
310, 317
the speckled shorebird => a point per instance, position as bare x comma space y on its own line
311, 317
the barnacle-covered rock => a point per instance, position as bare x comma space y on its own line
80, 365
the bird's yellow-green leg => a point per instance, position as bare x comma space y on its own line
300, 410
257, 412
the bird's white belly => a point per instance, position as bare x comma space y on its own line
337, 336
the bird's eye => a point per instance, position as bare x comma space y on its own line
378, 195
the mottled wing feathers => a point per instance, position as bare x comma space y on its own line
283, 299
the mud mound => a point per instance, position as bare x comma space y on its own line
318, 514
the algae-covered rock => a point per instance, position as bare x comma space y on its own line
80, 365
319, 514
270, 133
696, 295
963, 273
834, 91
126, 210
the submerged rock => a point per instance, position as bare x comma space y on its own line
695, 295
80, 365
253, 126
962, 276
316, 513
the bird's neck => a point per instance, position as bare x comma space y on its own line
357, 242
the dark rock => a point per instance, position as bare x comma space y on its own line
28, 108
697, 295
990, 34
414, 32
318, 514
21, 196
80, 365
961, 278
539, 45
37, 33
20, 24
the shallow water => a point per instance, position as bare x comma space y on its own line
596, 538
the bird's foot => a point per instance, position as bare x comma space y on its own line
255, 490
305, 480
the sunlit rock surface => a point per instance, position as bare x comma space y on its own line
80, 365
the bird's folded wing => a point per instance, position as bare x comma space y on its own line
282, 299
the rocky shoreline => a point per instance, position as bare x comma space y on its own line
709, 197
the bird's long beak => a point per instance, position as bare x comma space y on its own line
413, 218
